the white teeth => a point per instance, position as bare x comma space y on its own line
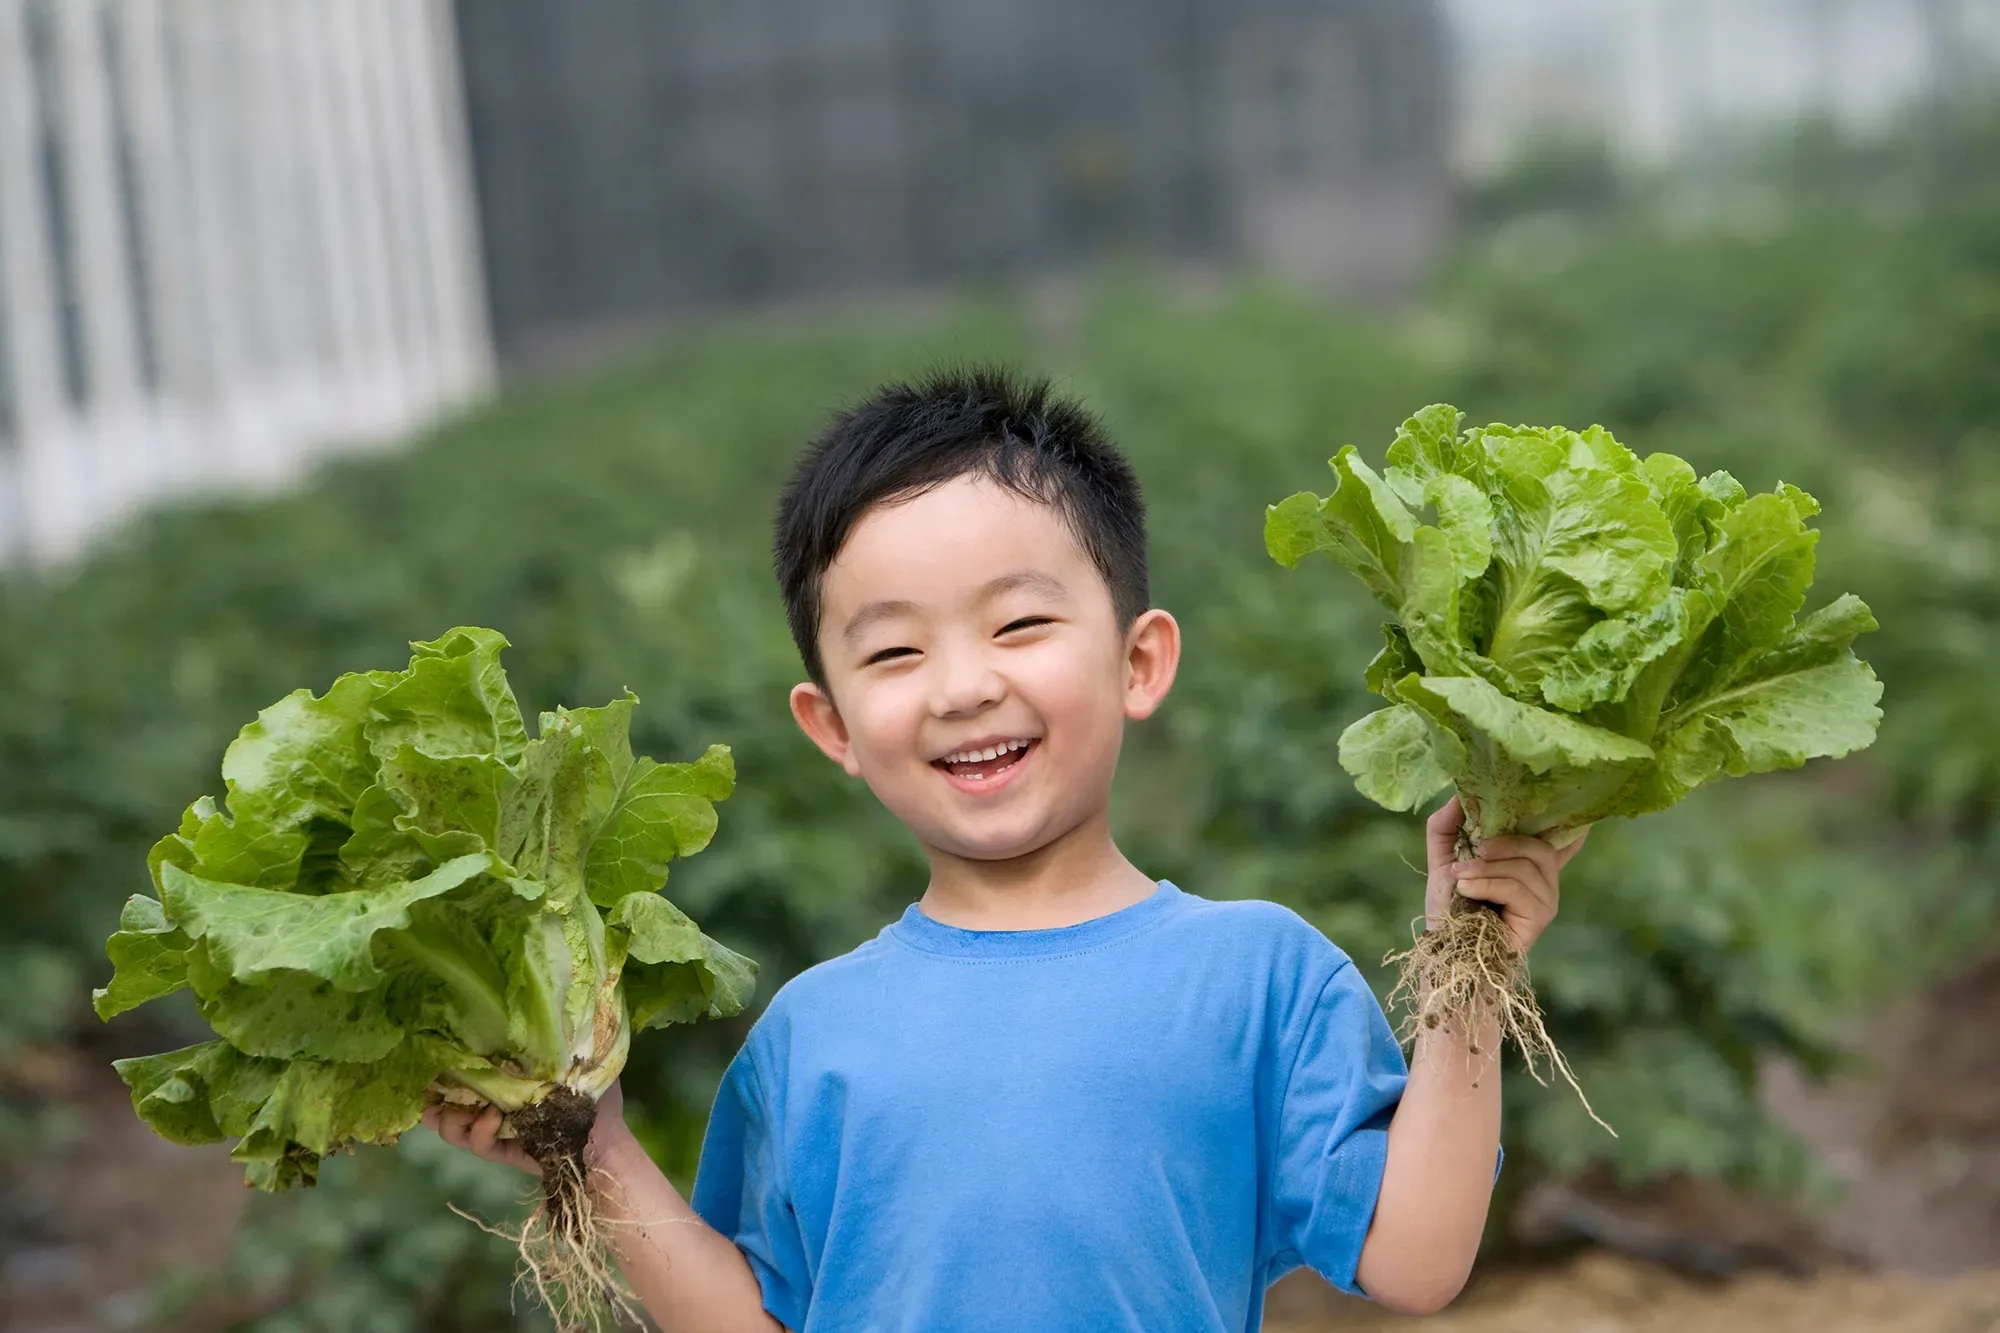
990, 752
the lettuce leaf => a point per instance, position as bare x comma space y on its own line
404, 891
1578, 632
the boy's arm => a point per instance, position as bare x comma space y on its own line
1443, 1142
688, 1275
1444, 1139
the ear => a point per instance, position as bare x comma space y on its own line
1152, 656
813, 710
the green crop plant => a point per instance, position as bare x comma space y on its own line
1578, 633
405, 899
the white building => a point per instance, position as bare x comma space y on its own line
1657, 78
234, 235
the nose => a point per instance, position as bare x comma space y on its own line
963, 681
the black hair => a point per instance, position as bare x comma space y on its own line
905, 439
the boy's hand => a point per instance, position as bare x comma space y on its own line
477, 1130
1518, 875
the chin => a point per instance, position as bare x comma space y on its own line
992, 845
993, 849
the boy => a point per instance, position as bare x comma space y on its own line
1056, 1094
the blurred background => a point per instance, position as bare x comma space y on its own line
328, 324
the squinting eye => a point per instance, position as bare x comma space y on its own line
888, 655
1025, 622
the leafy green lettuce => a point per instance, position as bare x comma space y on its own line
406, 892
1578, 632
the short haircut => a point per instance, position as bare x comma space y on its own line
905, 439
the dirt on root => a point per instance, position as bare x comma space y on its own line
556, 1128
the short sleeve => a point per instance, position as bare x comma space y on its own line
1333, 1131
740, 1189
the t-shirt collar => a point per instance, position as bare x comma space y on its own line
920, 932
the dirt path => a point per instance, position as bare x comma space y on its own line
1913, 1135
89, 1230
1603, 1293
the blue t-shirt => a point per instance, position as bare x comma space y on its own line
1137, 1122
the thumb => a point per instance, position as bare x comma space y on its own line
1441, 833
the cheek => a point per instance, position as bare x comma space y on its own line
1078, 693
883, 719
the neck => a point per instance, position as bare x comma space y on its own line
1076, 877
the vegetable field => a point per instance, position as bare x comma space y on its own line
1822, 312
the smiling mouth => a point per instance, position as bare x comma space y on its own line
986, 765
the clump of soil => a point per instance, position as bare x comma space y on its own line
554, 1131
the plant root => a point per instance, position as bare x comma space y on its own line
567, 1259
1458, 971
592, 1303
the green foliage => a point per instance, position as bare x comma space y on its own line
1582, 633
615, 527
408, 893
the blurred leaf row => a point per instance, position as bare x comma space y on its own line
1819, 310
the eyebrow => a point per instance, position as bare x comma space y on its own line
1029, 580
873, 612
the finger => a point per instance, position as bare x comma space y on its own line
483, 1131
430, 1116
1510, 894
1521, 869
1441, 831
1513, 847
451, 1125
1530, 897
1525, 916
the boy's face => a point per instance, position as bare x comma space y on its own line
978, 679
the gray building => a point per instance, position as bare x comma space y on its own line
636, 160
237, 235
